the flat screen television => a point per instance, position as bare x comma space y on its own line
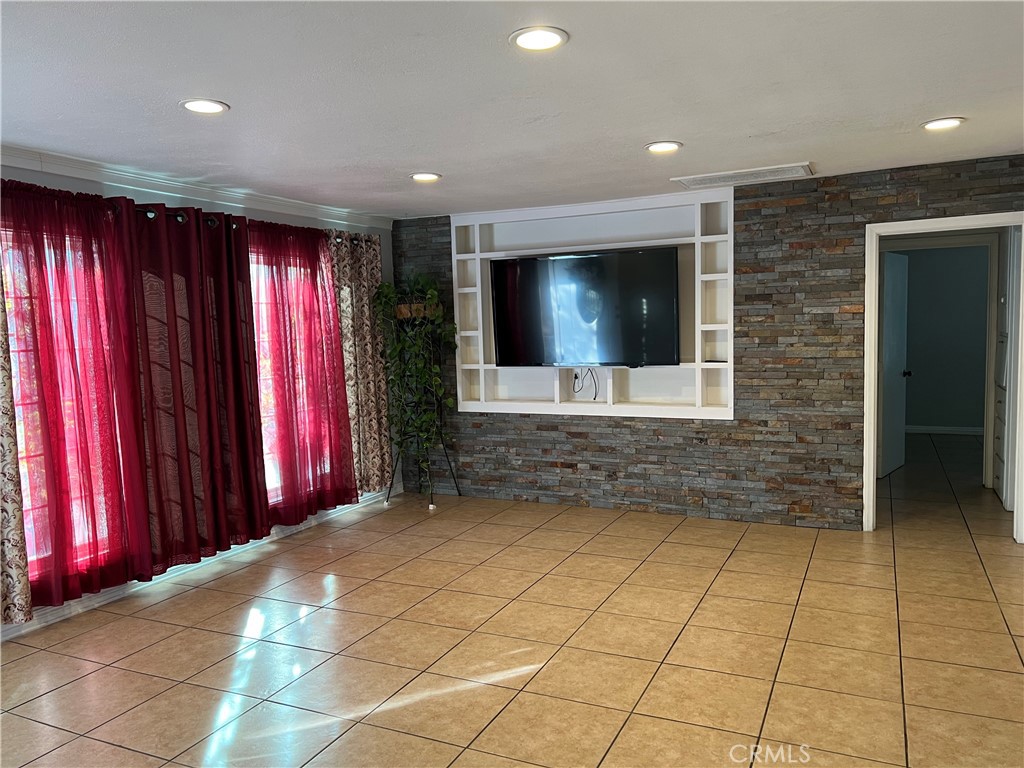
587, 309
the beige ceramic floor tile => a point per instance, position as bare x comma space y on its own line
651, 603
495, 660
345, 687
754, 586
873, 554
382, 598
353, 539
328, 630
567, 541
404, 545
315, 588
364, 565
13, 651
1014, 615
836, 722
260, 670
426, 573
648, 530
145, 596
1004, 566
269, 735
851, 598
406, 644
254, 580
1008, 590
441, 527
955, 740
89, 753
586, 521
687, 533
685, 578
860, 574
598, 567
619, 546
442, 708
928, 538
689, 554
39, 673
778, 753
496, 582
944, 560
495, 534
66, 629
193, 607
755, 540
174, 720
25, 740
754, 616
536, 621
959, 646
527, 559
90, 701
257, 618
702, 697
767, 564
365, 745
951, 612
560, 732
655, 743
964, 585
626, 636
844, 670
455, 609
184, 654
594, 678
303, 558
465, 552
570, 592
116, 640
846, 630
972, 691
471, 758
735, 653
998, 545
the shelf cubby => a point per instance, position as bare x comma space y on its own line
654, 386
465, 239
715, 387
714, 259
466, 273
715, 302
468, 318
518, 385
714, 346
714, 218
469, 348
469, 385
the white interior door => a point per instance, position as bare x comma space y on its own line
892, 369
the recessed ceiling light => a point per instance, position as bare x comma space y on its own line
662, 147
205, 106
425, 177
539, 38
942, 123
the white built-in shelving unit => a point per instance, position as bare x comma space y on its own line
698, 224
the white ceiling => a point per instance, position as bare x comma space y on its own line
336, 103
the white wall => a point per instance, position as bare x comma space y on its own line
946, 337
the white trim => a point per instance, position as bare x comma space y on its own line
139, 181
50, 615
918, 430
872, 235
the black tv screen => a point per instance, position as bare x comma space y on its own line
605, 308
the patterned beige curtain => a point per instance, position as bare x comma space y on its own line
357, 273
15, 595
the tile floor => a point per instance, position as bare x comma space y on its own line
494, 633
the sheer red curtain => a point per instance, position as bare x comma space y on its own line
71, 333
307, 441
199, 422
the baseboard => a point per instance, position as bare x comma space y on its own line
915, 430
52, 614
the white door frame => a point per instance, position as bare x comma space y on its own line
872, 235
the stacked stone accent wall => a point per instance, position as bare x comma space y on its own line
793, 454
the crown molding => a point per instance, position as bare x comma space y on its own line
126, 178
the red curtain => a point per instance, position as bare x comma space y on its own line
199, 421
71, 333
307, 442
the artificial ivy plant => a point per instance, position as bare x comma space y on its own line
418, 337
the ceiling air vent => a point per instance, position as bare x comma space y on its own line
749, 176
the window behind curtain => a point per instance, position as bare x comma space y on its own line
307, 439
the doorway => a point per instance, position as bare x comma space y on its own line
873, 424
